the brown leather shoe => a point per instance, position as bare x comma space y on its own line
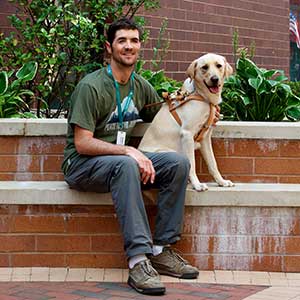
171, 263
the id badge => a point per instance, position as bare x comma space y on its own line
121, 137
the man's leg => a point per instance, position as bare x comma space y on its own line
120, 176
172, 170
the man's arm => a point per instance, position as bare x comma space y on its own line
86, 144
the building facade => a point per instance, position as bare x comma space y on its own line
199, 26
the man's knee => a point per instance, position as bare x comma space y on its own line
127, 166
180, 160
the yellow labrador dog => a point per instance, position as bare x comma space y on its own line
206, 78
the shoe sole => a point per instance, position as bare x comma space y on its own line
149, 291
181, 276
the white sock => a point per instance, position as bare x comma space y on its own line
157, 249
136, 259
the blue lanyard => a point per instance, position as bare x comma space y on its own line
121, 112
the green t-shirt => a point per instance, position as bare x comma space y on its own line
93, 107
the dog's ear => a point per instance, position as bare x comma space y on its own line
191, 70
228, 69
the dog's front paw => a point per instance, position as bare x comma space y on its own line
226, 183
199, 187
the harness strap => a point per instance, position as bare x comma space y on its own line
199, 136
176, 101
181, 100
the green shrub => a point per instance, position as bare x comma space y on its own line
257, 94
13, 97
65, 38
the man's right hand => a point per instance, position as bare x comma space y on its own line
145, 164
86, 144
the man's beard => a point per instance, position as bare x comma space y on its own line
123, 62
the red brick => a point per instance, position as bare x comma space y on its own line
92, 224
51, 163
62, 243
8, 163
291, 263
253, 148
229, 165
289, 148
278, 166
9, 145
103, 243
289, 179
38, 260
17, 243
38, 223
5, 223
7, 176
4, 260
292, 245
41, 145
254, 178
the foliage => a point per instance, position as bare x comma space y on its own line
257, 94
161, 48
295, 87
238, 51
12, 93
160, 82
65, 38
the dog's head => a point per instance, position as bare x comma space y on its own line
208, 73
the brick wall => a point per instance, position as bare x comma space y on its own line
31, 158
242, 160
198, 26
239, 238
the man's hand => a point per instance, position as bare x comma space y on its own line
218, 116
144, 163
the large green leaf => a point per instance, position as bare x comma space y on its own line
27, 71
3, 82
294, 113
255, 82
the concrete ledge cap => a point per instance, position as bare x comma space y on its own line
224, 129
243, 194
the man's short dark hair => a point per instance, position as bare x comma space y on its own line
123, 23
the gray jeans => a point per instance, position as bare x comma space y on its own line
120, 175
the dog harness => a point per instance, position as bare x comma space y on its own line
176, 100
179, 100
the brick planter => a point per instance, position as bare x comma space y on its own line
247, 227
245, 152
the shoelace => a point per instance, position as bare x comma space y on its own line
146, 265
175, 254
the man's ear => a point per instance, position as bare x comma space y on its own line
191, 70
228, 69
108, 47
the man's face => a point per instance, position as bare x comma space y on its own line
125, 47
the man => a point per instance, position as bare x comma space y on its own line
104, 108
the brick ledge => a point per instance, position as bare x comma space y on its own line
224, 129
243, 194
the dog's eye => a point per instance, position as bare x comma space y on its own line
205, 67
219, 66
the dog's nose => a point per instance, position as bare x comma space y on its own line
214, 79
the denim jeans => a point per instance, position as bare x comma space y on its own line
120, 175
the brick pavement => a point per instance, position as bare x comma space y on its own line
115, 291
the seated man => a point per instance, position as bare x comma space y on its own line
104, 108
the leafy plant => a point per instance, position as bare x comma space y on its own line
257, 94
159, 80
66, 38
13, 97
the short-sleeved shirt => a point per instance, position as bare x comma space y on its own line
93, 107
